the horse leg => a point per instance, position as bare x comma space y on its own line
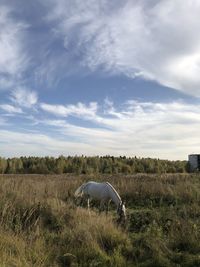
88, 204
81, 201
107, 206
101, 208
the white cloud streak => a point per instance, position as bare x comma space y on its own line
13, 59
10, 109
79, 110
156, 40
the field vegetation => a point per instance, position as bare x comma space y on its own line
42, 225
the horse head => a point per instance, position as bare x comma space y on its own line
121, 211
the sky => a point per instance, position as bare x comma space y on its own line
100, 77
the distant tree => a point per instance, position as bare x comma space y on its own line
3, 165
60, 165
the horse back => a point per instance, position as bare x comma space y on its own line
97, 190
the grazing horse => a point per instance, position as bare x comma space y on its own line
104, 192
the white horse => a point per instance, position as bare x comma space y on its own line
104, 192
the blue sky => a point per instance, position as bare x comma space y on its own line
100, 77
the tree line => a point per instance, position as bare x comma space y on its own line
90, 165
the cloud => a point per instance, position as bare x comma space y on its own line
79, 110
10, 109
24, 97
154, 40
13, 59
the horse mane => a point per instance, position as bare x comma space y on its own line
114, 190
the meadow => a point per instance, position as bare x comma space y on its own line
41, 224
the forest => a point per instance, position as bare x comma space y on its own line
90, 165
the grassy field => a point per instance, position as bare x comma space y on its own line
41, 225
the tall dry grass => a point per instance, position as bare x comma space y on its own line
40, 224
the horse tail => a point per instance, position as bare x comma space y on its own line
79, 191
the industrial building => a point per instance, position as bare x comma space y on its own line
194, 162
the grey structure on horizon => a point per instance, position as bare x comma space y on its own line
194, 162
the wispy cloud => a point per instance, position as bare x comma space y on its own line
79, 110
10, 109
13, 59
24, 97
155, 40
